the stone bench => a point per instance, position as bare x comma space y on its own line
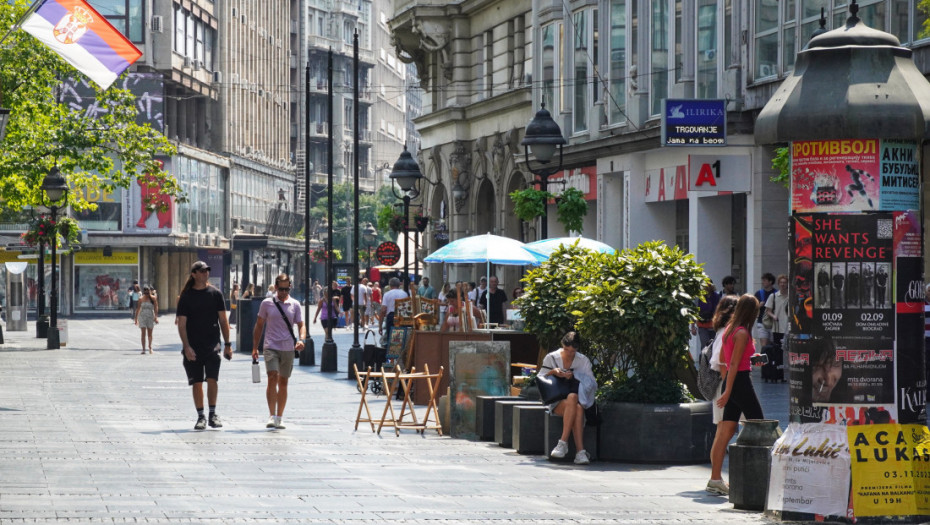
503, 420
529, 429
484, 415
554, 432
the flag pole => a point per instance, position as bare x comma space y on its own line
32, 9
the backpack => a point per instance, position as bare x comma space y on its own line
708, 379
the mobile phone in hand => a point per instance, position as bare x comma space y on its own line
759, 359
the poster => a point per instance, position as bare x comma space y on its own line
810, 470
890, 469
477, 368
824, 373
854, 175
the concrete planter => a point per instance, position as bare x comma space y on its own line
641, 433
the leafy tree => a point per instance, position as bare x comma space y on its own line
369, 205
106, 151
924, 7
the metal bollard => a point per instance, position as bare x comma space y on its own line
751, 463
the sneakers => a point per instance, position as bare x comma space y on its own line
718, 487
201, 423
582, 458
277, 423
560, 450
271, 422
215, 421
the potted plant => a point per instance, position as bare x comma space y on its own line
633, 309
320, 255
421, 221
571, 206
44, 230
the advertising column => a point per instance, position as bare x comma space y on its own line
856, 348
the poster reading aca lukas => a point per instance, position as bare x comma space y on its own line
890, 469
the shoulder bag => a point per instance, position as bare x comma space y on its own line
708, 379
290, 329
554, 388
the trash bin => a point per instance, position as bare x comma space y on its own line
751, 463
248, 316
16, 300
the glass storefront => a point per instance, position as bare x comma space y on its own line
102, 282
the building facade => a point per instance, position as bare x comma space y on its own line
605, 69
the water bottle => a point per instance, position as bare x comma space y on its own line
256, 372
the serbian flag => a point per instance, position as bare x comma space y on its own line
82, 37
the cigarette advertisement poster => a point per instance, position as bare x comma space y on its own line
852, 175
810, 470
890, 469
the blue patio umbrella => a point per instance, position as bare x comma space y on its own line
547, 246
486, 249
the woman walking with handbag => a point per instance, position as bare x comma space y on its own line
568, 364
721, 318
146, 315
738, 397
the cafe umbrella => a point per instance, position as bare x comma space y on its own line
548, 246
487, 249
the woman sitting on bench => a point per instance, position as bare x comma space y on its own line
568, 363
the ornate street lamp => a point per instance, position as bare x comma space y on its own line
406, 176
55, 189
369, 234
541, 138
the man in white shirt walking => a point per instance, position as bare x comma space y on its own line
387, 304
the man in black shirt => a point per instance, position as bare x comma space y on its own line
498, 298
201, 317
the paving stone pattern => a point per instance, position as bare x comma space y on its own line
97, 433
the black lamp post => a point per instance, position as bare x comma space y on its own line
370, 234
4, 118
55, 189
406, 176
542, 136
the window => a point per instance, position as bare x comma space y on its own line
617, 67
766, 41
659, 55
706, 62
581, 60
550, 85
126, 15
180, 21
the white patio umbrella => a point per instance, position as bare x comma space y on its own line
547, 246
486, 249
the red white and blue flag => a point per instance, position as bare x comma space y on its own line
83, 38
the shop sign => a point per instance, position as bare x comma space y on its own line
810, 470
97, 257
694, 122
388, 253
719, 173
666, 184
890, 469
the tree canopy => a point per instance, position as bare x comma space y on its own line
369, 205
105, 151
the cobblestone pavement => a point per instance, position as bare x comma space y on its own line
97, 433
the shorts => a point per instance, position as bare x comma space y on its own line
280, 361
328, 323
759, 331
742, 400
206, 366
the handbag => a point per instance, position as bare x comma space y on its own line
708, 379
768, 323
554, 388
290, 329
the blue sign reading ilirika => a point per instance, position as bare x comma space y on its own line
691, 122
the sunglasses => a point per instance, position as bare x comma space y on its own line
284, 289
202, 270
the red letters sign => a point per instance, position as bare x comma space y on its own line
388, 253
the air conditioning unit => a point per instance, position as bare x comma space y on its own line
158, 24
217, 77
198, 64
187, 61
234, 223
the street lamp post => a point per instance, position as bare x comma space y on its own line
55, 189
542, 136
370, 234
406, 176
